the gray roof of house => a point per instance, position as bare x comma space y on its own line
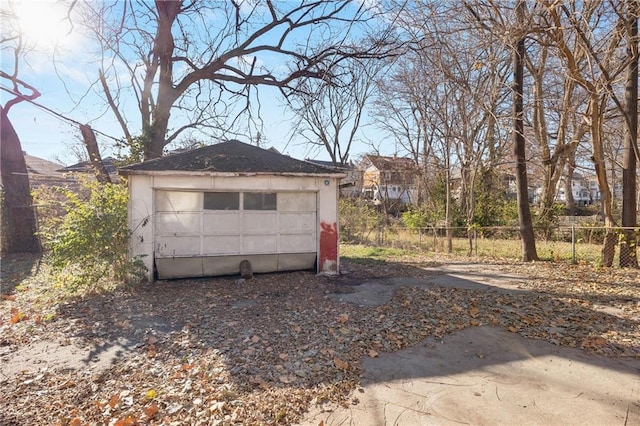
86, 166
331, 164
229, 157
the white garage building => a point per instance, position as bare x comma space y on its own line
201, 212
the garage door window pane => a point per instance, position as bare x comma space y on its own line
221, 200
260, 201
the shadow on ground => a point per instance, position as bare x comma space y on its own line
289, 337
15, 268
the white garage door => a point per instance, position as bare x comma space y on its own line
209, 233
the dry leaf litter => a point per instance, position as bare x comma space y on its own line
262, 351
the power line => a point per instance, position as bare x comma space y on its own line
55, 113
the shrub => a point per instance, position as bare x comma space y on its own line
357, 219
89, 246
415, 219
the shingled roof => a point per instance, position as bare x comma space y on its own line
229, 157
391, 163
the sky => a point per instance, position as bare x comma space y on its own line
65, 88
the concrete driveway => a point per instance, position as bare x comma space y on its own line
485, 375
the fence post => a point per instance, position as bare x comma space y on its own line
435, 240
475, 238
573, 244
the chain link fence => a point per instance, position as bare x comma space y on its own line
574, 244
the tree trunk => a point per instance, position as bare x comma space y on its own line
569, 201
447, 206
89, 139
598, 157
163, 59
629, 215
18, 227
527, 236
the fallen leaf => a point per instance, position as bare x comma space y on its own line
17, 316
218, 406
372, 353
127, 421
256, 380
113, 401
68, 384
343, 318
342, 365
151, 352
75, 422
151, 394
284, 379
151, 410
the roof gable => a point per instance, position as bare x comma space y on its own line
40, 166
390, 163
228, 157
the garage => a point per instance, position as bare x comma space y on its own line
200, 213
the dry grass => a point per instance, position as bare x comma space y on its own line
489, 246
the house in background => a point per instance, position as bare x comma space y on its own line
87, 168
389, 178
201, 212
351, 184
45, 173
581, 190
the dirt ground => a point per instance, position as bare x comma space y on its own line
264, 351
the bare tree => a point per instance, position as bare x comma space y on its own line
18, 222
556, 127
628, 255
444, 101
598, 79
328, 114
527, 236
511, 24
402, 110
198, 64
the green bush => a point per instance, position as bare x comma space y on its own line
89, 247
415, 219
358, 219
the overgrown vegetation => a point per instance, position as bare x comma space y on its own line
87, 244
415, 218
358, 219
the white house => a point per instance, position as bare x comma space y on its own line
201, 212
584, 190
389, 178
